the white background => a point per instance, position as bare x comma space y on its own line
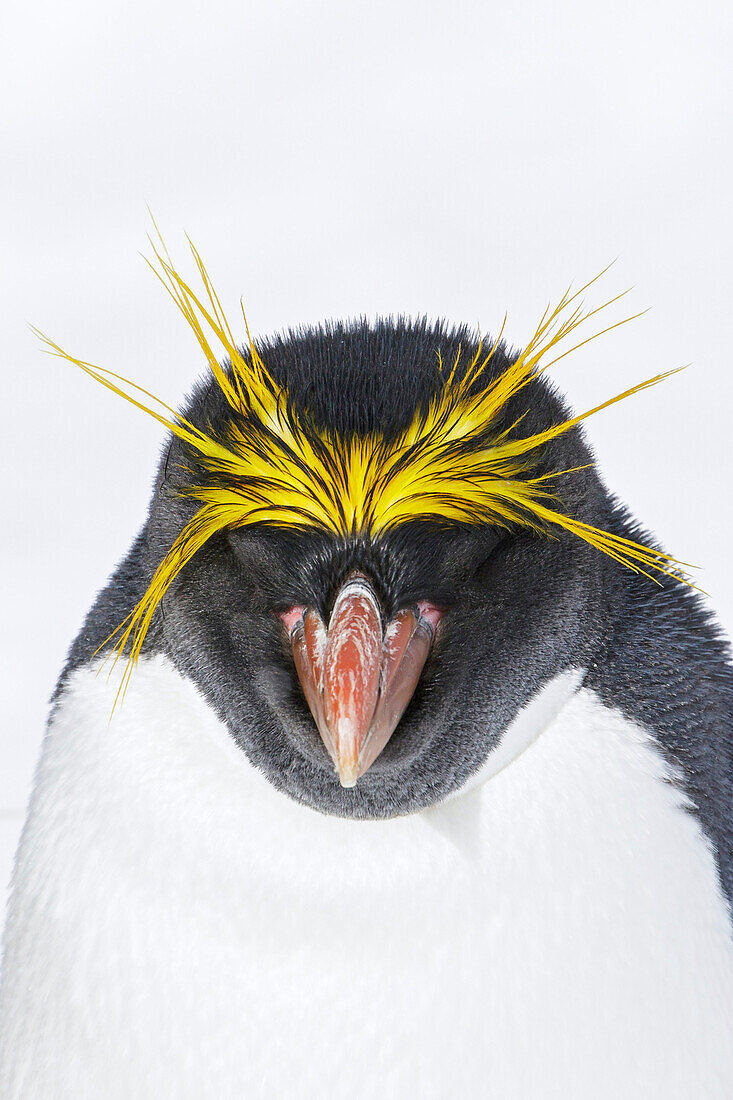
333, 159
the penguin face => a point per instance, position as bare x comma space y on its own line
370, 676
370, 545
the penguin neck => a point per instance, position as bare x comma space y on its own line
579, 799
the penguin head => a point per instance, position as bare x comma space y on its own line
369, 545
369, 674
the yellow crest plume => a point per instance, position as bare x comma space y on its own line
272, 466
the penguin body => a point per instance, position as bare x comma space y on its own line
181, 929
523, 893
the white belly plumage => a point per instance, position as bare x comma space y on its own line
179, 929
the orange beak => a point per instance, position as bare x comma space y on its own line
357, 678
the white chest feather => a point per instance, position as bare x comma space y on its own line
181, 930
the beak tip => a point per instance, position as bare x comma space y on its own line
347, 755
348, 772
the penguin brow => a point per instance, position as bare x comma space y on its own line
271, 465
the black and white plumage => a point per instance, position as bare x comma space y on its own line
524, 895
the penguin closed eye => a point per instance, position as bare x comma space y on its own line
393, 760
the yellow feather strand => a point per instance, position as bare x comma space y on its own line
272, 467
